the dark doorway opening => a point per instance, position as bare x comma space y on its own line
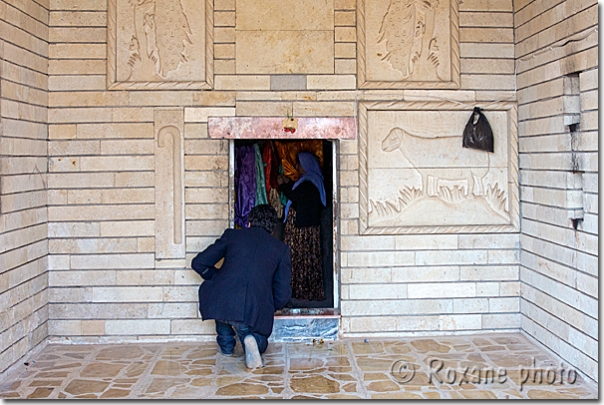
326, 148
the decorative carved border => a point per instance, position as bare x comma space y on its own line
113, 84
513, 187
362, 81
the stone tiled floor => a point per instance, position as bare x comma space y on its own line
495, 366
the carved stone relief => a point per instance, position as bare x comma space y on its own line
415, 176
408, 44
157, 44
169, 185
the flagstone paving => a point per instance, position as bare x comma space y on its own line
462, 367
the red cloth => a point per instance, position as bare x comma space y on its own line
271, 167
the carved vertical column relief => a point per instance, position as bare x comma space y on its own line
408, 44
160, 44
169, 185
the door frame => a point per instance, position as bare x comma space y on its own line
335, 209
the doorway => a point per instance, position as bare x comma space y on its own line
325, 152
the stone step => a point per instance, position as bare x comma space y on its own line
305, 324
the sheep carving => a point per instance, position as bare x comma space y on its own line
441, 152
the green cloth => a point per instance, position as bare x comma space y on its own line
260, 182
282, 196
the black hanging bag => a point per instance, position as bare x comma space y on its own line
478, 133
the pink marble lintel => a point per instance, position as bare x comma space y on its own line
272, 128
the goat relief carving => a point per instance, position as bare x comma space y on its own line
415, 176
159, 44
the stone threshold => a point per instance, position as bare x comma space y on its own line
297, 313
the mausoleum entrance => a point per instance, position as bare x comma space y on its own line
260, 149
258, 163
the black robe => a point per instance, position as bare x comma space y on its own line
306, 200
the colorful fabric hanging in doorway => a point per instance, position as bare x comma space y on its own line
245, 183
260, 182
288, 152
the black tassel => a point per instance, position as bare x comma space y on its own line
478, 133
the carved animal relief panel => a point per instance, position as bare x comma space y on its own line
156, 44
408, 44
416, 177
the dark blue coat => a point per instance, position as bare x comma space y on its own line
251, 284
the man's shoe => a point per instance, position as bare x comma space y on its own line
252, 354
225, 354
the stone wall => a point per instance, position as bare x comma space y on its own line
113, 277
23, 178
557, 67
129, 161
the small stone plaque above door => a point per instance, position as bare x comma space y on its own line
160, 44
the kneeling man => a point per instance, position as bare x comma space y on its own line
252, 283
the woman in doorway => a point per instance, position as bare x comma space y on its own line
302, 227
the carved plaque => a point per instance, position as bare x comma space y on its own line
415, 176
169, 185
408, 44
159, 44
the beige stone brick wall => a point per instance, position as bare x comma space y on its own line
23, 178
559, 264
105, 284
85, 268
396, 285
